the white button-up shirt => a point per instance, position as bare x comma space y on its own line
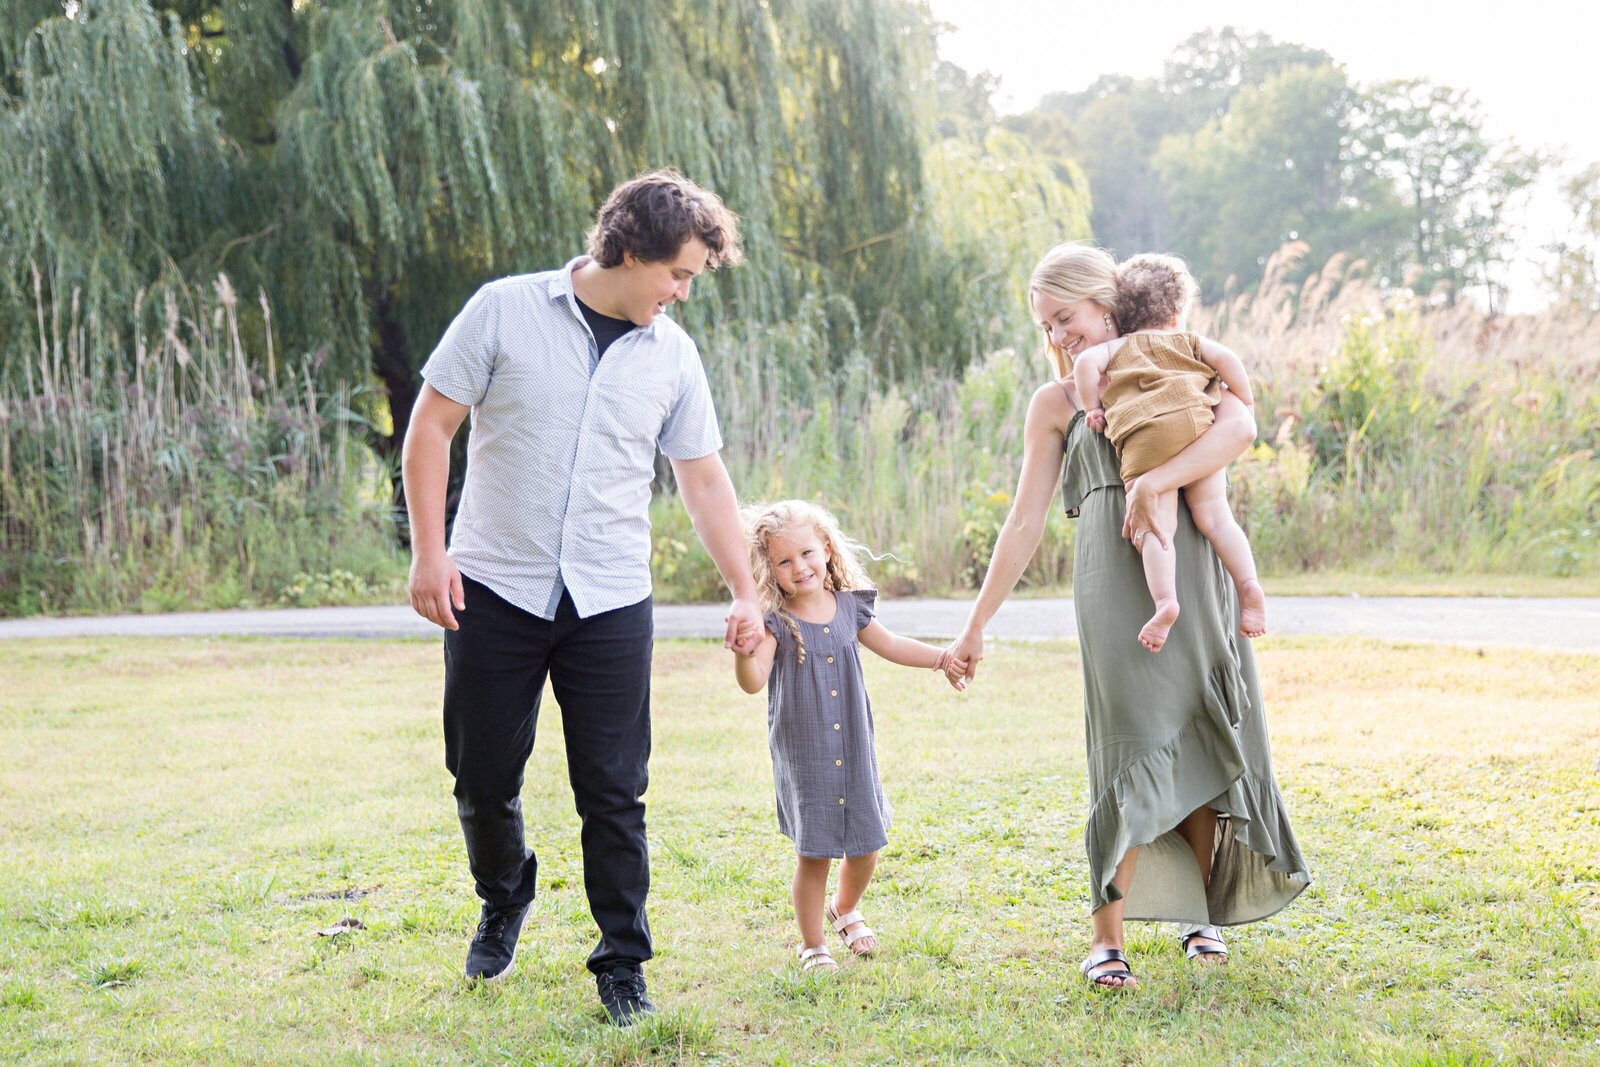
562, 445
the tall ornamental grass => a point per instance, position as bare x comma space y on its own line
1396, 437
196, 480
1403, 438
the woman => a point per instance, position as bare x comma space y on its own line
1185, 820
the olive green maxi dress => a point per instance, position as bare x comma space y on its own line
1173, 731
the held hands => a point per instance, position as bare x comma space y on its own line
744, 628
1096, 418
961, 658
435, 586
954, 670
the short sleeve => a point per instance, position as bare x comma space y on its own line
866, 606
690, 428
780, 631
463, 364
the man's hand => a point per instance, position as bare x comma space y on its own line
744, 627
435, 587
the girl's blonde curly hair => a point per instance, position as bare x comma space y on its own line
763, 522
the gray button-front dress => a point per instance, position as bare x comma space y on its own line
819, 726
1173, 731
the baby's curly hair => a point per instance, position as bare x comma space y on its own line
763, 522
1152, 289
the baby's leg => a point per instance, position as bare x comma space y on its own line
1208, 503
1161, 575
810, 886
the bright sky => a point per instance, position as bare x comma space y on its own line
1530, 65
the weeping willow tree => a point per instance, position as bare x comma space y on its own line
361, 166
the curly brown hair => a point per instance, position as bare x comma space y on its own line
654, 215
1152, 290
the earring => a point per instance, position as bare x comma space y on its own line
1107, 317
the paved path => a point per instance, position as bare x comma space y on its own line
1565, 624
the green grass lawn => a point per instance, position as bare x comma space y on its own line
180, 817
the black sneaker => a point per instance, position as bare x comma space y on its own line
494, 946
622, 993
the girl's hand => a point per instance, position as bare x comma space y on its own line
966, 651
954, 670
744, 627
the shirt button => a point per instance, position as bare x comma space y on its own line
841, 800
833, 692
835, 726
825, 630
830, 659
838, 763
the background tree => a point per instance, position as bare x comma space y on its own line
1429, 140
365, 164
1244, 143
1116, 126
1209, 68
1574, 274
111, 164
1493, 229
1284, 163
1119, 123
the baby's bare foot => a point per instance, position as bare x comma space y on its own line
1252, 609
1154, 634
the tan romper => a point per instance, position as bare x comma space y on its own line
1158, 398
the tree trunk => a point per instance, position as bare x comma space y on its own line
391, 362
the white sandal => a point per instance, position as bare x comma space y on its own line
815, 957
841, 923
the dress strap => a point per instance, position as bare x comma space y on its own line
1070, 398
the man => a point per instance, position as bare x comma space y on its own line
574, 378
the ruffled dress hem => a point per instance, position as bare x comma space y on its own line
1146, 799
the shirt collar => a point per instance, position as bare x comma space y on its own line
559, 287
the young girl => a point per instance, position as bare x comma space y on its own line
817, 604
1161, 386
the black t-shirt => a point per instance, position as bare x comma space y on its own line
605, 328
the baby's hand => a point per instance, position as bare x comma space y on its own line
1096, 418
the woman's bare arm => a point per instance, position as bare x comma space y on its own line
1043, 434
1233, 431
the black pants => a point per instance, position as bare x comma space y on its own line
599, 669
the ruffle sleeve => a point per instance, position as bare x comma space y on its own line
866, 606
1091, 463
780, 630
